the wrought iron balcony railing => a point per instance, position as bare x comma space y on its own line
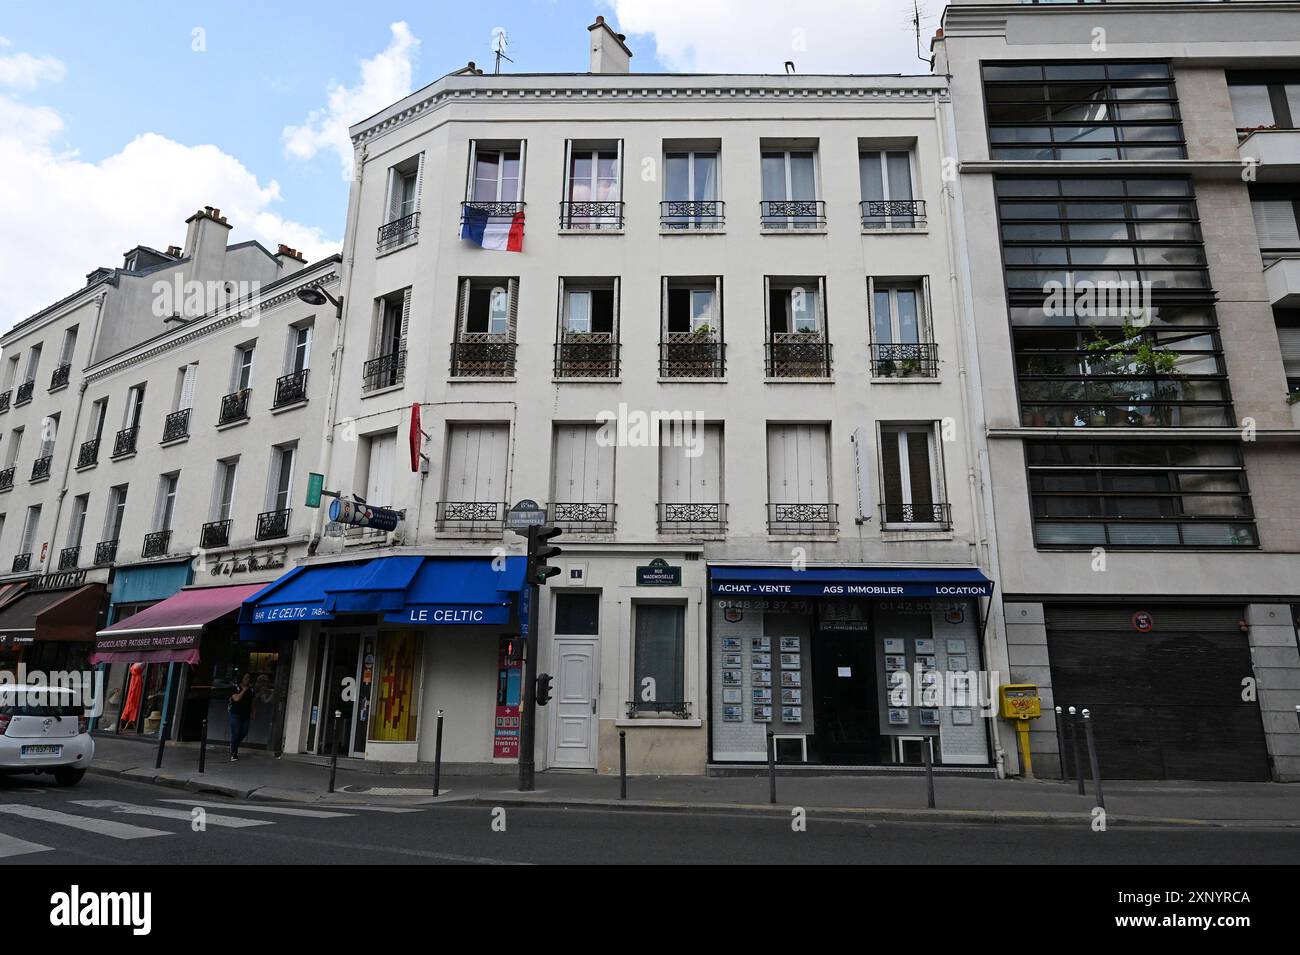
22, 562
24, 394
798, 355
88, 453
904, 360
678, 708
486, 516
290, 389
579, 516
932, 515
598, 215
273, 524
215, 534
105, 552
483, 355
793, 214
686, 355
802, 518
124, 441
691, 215
234, 407
6, 479
892, 213
4, 400
399, 232
692, 518
587, 355
41, 467
492, 208
68, 558
176, 425
384, 371
156, 543
60, 377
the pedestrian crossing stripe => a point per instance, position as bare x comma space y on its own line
11, 846
166, 812
273, 810
104, 827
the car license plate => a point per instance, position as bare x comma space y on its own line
43, 750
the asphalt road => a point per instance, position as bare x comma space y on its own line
107, 820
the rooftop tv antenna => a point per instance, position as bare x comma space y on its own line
499, 42
919, 15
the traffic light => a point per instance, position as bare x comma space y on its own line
515, 649
539, 552
543, 695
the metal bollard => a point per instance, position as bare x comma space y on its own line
334, 756
1060, 743
771, 767
929, 772
437, 757
1078, 753
203, 744
162, 742
1092, 758
622, 764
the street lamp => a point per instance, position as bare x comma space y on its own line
318, 296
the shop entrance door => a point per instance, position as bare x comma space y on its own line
341, 691
574, 730
844, 681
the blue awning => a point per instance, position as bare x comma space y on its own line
849, 582
404, 590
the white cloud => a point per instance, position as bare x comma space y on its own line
758, 36
385, 78
64, 216
24, 71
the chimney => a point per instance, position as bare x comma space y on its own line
291, 260
205, 244
174, 251
609, 52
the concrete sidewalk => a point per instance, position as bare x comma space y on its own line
958, 798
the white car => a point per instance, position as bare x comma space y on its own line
43, 730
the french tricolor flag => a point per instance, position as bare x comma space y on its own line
499, 233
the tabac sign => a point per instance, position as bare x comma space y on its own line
363, 515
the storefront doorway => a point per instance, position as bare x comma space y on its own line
345, 662
844, 679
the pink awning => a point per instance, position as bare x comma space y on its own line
169, 631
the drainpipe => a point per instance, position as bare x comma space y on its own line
336, 356
76, 429
972, 385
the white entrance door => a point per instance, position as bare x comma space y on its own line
573, 733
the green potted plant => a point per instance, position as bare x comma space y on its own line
1136, 354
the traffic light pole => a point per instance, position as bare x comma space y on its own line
528, 692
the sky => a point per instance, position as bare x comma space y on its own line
118, 120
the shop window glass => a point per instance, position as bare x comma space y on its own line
394, 711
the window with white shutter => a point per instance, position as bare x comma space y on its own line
582, 480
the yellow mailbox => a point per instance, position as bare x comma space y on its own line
1020, 702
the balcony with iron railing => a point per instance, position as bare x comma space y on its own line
124, 441
41, 468
386, 371
399, 232
215, 534
60, 377
691, 355
477, 209
4, 400
580, 517
798, 355
692, 215
470, 517
587, 355
886, 214
88, 453
272, 525
927, 516
24, 394
601, 215
105, 552
483, 355
7, 479
22, 562
802, 519
69, 557
792, 214
234, 407
693, 518
290, 389
680, 709
156, 543
176, 426
904, 360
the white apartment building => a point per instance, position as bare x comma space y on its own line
770, 257
167, 457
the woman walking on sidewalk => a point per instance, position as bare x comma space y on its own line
241, 709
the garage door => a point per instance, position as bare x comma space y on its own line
1164, 690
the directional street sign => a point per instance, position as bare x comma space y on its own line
524, 515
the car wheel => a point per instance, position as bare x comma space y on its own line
68, 777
